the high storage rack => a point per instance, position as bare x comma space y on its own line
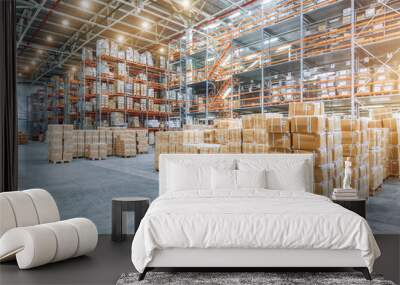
118, 92
37, 113
56, 100
270, 53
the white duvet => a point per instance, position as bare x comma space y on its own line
250, 219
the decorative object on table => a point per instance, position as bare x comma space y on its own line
356, 205
244, 278
347, 174
31, 231
346, 193
120, 206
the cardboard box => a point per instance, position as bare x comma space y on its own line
333, 124
308, 141
306, 109
277, 125
392, 124
349, 125
279, 140
308, 124
375, 124
351, 137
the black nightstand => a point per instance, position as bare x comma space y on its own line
358, 206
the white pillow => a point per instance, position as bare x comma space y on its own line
251, 178
282, 174
223, 179
182, 178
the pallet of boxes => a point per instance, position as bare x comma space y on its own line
95, 144
355, 147
226, 137
142, 141
254, 134
61, 147
391, 129
393, 125
125, 143
309, 135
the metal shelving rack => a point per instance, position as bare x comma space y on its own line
295, 50
37, 113
56, 100
90, 90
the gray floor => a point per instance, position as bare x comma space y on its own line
85, 188
110, 260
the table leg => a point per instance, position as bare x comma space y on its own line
116, 222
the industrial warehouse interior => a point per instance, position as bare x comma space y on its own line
200, 142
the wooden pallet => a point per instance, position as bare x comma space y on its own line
95, 158
59, 161
126, 156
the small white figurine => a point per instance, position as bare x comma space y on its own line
347, 174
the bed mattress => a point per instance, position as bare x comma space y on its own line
250, 219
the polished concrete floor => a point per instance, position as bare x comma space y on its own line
85, 188
106, 264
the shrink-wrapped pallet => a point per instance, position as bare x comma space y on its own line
306, 109
228, 124
102, 150
308, 124
142, 141
320, 156
92, 151
308, 141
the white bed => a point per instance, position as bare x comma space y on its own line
249, 227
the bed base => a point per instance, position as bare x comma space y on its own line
247, 259
363, 270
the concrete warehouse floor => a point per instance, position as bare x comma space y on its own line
85, 188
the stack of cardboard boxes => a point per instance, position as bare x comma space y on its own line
308, 135
142, 141
278, 132
125, 143
55, 137
68, 143
255, 135
394, 147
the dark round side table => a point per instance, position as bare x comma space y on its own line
139, 205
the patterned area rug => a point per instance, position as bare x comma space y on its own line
268, 278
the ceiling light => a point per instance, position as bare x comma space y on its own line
162, 50
49, 38
145, 25
19, 74
33, 62
40, 51
120, 38
186, 4
65, 23
85, 4
26, 68
73, 68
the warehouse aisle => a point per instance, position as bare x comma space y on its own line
85, 188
